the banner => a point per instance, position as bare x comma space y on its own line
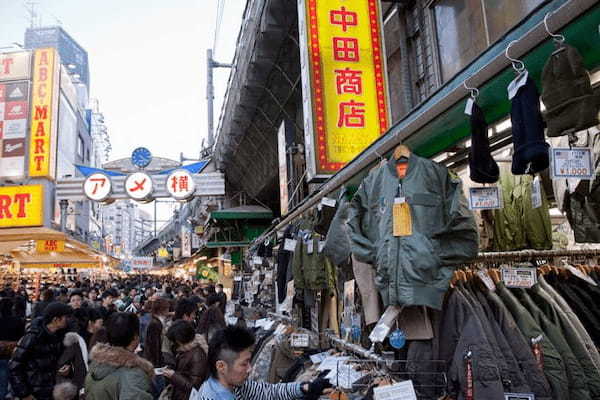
46, 246
14, 112
42, 140
344, 81
142, 263
15, 66
186, 242
21, 206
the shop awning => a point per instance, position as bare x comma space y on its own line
243, 212
15, 245
212, 245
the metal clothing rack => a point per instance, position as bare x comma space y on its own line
525, 255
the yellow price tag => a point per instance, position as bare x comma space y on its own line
402, 219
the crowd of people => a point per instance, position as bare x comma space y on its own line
139, 338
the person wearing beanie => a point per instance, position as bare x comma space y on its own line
34, 363
567, 93
531, 150
482, 166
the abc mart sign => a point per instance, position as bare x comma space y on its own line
118, 187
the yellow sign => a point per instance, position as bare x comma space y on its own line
21, 206
42, 145
67, 265
344, 77
199, 229
163, 253
46, 246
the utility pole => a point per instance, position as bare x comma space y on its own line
210, 93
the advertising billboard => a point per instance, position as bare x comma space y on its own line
344, 81
21, 206
15, 66
14, 112
44, 98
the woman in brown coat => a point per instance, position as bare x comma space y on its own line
154, 333
191, 367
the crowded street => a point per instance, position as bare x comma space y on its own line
300, 199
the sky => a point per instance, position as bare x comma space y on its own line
147, 62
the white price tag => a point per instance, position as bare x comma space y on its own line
328, 202
321, 245
310, 246
520, 277
516, 84
485, 198
399, 391
572, 163
256, 260
331, 363
469, 106
536, 193
319, 357
580, 275
487, 281
299, 339
237, 278
519, 396
399, 200
289, 245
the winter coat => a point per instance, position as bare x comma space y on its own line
517, 225
413, 270
191, 368
153, 344
552, 310
337, 241
520, 347
284, 258
575, 374
74, 357
283, 359
553, 364
117, 374
573, 319
13, 328
33, 365
513, 378
464, 336
308, 266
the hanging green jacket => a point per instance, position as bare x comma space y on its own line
414, 269
554, 366
552, 311
577, 381
309, 264
518, 225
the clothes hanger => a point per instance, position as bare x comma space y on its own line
558, 39
517, 64
401, 151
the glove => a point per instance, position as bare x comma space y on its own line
316, 388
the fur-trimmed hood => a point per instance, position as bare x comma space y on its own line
71, 338
106, 359
199, 341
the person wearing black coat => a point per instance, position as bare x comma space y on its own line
34, 363
46, 298
13, 328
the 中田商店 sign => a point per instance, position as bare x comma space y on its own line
344, 79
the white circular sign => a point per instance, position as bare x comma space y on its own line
180, 184
97, 187
138, 186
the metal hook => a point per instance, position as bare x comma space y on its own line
474, 91
559, 39
517, 65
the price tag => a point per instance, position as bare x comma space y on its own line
399, 391
402, 219
289, 245
299, 339
310, 246
516, 84
485, 198
572, 163
319, 357
519, 396
469, 106
237, 278
321, 245
487, 281
580, 275
520, 277
536, 193
328, 202
256, 260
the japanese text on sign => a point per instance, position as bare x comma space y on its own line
485, 198
346, 102
299, 340
522, 277
138, 186
572, 163
97, 187
180, 184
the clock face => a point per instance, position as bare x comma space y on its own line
141, 157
